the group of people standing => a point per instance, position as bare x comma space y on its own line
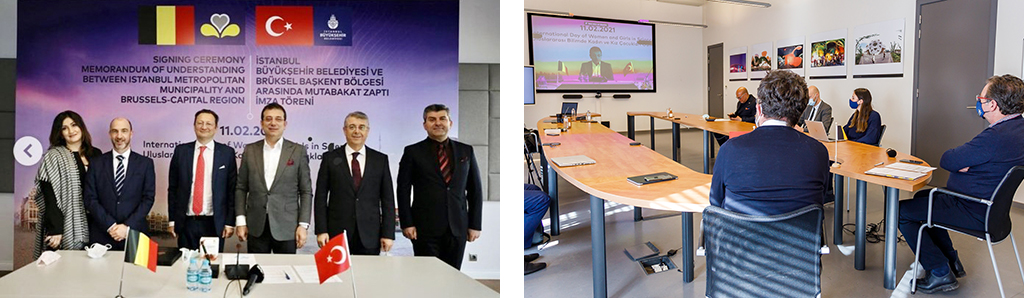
776, 168
267, 197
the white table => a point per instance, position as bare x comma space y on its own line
77, 275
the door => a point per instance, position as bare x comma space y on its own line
953, 61
715, 85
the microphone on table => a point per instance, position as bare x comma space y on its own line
236, 271
255, 276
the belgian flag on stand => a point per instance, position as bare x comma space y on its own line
167, 25
140, 250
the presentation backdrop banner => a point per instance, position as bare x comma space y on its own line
158, 62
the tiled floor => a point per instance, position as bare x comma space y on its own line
569, 261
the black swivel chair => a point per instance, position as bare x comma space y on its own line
997, 220
763, 256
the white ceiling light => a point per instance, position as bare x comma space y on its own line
745, 3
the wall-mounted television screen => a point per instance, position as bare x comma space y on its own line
530, 93
583, 54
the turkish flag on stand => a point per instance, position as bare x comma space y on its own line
333, 258
284, 25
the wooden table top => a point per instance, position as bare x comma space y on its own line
855, 158
616, 161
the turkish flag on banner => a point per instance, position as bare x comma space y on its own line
284, 25
333, 258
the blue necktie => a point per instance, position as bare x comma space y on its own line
119, 175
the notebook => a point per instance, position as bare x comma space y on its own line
817, 131
570, 161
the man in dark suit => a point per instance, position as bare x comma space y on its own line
273, 197
596, 70
817, 110
975, 169
446, 180
354, 193
774, 169
201, 186
119, 189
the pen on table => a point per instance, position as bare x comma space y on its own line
286, 277
879, 163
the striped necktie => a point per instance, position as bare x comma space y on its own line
442, 159
119, 175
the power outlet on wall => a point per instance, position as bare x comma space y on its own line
472, 257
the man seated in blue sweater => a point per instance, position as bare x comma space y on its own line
776, 168
976, 168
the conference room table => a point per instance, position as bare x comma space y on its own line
77, 275
606, 181
853, 160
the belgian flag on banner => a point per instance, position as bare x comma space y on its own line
140, 250
167, 25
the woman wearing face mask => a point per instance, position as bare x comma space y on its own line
865, 126
58, 185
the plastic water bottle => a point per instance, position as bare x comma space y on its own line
205, 277
588, 116
192, 276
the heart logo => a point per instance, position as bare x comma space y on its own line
220, 21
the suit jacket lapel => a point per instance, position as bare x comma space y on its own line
347, 170
189, 156
133, 167
259, 165
108, 165
286, 153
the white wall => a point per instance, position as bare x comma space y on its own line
739, 26
486, 248
478, 31
1009, 37
680, 59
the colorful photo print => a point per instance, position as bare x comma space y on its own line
737, 63
877, 48
791, 57
828, 53
761, 61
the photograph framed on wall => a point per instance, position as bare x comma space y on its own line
789, 55
738, 64
760, 60
878, 49
828, 55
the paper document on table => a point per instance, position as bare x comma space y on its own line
910, 167
279, 275
722, 120
309, 275
895, 173
229, 259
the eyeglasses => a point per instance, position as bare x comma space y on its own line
983, 99
354, 127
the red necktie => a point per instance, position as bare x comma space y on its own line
442, 159
197, 189
357, 175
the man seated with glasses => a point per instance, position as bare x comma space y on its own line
976, 168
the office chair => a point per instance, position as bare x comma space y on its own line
997, 221
763, 256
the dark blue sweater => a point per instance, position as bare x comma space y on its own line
870, 136
771, 170
989, 155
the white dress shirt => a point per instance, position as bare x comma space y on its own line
774, 122
361, 159
126, 154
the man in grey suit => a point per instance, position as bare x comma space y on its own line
817, 110
274, 192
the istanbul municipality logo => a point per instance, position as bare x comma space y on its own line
332, 23
332, 26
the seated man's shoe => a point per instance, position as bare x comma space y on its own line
534, 267
957, 268
931, 283
531, 257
